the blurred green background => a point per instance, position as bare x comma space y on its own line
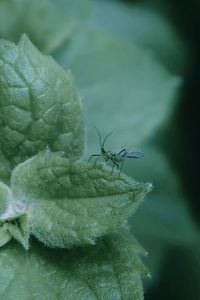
136, 64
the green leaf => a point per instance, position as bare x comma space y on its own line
168, 212
165, 219
78, 9
13, 218
72, 203
5, 235
107, 271
46, 25
124, 87
39, 106
17, 228
146, 27
4, 169
5, 196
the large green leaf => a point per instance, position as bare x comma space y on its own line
124, 87
39, 106
106, 271
46, 25
145, 26
73, 203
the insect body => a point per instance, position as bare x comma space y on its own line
115, 157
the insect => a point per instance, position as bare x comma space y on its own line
115, 157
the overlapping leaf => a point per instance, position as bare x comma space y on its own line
107, 271
14, 217
73, 203
70, 202
39, 106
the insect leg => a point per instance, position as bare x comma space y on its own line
114, 164
122, 165
94, 155
122, 152
97, 159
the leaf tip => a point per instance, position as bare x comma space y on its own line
148, 187
23, 38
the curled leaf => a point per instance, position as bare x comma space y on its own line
18, 229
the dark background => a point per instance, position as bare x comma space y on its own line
179, 278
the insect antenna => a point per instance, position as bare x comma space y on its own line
98, 134
106, 139
100, 141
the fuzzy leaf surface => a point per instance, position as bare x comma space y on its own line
13, 218
72, 203
107, 271
4, 197
39, 106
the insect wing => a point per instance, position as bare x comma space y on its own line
134, 154
122, 152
